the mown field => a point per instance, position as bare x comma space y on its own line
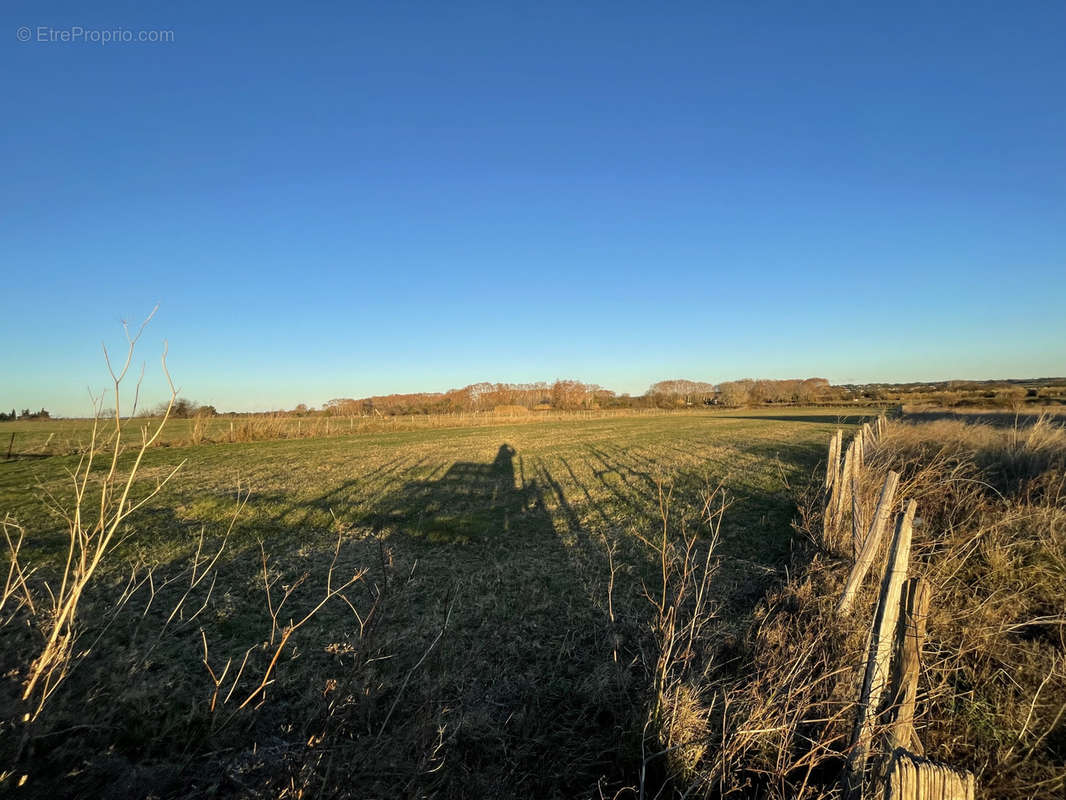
36, 438
502, 642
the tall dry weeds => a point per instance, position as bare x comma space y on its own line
991, 541
124, 656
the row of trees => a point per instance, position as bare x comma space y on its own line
757, 392
678, 393
569, 395
563, 394
26, 414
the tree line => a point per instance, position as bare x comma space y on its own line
574, 395
26, 414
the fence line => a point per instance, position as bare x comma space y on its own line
885, 758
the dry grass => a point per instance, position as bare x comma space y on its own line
39, 438
582, 601
58, 616
685, 633
499, 619
991, 540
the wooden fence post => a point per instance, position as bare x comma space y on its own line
914, 610
833, 474
832, 462
914, 778
843, 491
871, 435
856, 520
878, 661
872, 542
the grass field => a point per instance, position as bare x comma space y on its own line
507, 567
36, 438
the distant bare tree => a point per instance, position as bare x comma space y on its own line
568, 394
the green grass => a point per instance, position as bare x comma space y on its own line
508, 524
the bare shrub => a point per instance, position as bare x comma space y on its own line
126, 656
684, 628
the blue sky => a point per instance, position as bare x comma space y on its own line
345, 199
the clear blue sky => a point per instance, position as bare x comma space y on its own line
346, 199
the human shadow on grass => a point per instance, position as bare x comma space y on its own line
525, 665
470, 501
486, 668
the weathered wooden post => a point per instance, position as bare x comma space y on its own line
856, 519
914, 610
878, 660
833, 478
870, 436
832, 462
843, 487
871, 543
913, 778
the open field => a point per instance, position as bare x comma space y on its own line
540, 680
560, 608
36, 438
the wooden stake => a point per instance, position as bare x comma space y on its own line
871, 436
844, 483
832, 463
914, 778
914, 610
882, 637
856, 520
838, 453
829, 517
872, 542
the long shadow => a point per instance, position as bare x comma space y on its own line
521, 662
470, 501
520, 680
534, 688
